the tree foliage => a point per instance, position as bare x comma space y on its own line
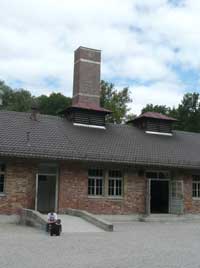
15, 100
163, 109
116, 101
187, 113
53, 104
21, 100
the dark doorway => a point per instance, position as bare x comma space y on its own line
159, 196
46, 193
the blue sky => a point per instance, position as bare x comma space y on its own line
150, 46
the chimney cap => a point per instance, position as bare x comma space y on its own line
84, 106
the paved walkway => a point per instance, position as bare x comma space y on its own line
72, 224
136, 244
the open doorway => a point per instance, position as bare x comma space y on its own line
46, 195
159, 190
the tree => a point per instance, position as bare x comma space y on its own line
188, 113
21, 100
53, 104
163, 109
15, 100
116, 101
5, 93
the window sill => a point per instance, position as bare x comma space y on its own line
96, 196
196, 198
2, 194
113, 198
117, 198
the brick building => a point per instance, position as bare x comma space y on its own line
80, 161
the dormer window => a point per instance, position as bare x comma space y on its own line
83, 116
154, 123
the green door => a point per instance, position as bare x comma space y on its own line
46, 193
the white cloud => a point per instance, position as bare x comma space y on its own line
159, 93
140, 40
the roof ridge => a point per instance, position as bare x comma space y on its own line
184, 131
27, 113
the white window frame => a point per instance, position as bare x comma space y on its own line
197, 183
176, 189
115, 179
95, 178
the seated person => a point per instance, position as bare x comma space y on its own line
51, 218
56, 228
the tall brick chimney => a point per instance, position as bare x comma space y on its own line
86, 84
85, 109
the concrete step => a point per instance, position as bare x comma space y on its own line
151, 218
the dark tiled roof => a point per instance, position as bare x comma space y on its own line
155, 116
56, 138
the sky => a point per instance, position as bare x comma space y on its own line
151, 46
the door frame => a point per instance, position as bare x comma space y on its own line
149, 193
181, 193
56, 190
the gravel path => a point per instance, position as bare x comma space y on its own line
152, 245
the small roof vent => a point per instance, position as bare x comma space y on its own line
34, 112
154, 123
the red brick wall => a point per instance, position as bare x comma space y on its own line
74, 187
190, 204
73, 193
19, 186
73, 183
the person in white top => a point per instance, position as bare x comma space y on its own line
51, 218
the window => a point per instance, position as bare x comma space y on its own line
95, 182
177, 189
196, 186
2, 176
115, 183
